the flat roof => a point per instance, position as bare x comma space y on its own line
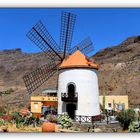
49, 91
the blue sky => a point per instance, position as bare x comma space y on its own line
105, 26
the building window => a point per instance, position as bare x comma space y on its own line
109, 104
36, 105
121, 106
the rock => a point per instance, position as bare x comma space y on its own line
3, 129
120, 66
97, 130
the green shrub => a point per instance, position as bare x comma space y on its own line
2, 122
16, 116
18, 119
134, 127
125, 117
32, 121
25, 120
65, 121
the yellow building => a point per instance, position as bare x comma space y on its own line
46, 102
115, 102
39, 104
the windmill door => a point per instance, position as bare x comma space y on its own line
70, 108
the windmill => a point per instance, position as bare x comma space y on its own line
54, 53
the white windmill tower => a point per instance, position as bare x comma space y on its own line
77, 83
78, 92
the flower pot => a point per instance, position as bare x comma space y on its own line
48, 127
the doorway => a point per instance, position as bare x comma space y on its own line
70, 108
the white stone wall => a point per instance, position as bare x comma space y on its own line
86, 82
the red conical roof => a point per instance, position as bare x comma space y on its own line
77, 59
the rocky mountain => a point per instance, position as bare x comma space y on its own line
119, 72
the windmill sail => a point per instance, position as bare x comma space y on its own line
66, 33
56, 53
42, 38
84, 46
37, 77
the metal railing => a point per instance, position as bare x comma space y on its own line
84, 119
102, 118
67, 97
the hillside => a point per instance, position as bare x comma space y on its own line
119, 72
13, 65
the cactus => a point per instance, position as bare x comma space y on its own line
104, 104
